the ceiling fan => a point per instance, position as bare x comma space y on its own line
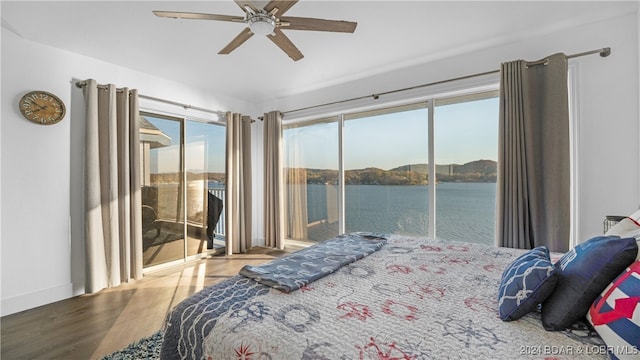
268, 21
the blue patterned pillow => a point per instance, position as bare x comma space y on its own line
525, 283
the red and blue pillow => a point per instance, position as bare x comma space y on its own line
615, 314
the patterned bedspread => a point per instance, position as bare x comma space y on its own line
416, 298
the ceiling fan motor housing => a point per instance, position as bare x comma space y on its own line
262, 24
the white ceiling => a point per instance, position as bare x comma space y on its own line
390, 35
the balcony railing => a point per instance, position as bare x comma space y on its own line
220, 194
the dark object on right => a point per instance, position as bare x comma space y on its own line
214, 210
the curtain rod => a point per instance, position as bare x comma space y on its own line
220, 114
604, 52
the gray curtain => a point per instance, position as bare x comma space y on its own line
274, 224
238, 178
113, 220
534, 165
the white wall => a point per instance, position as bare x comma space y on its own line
41, 174
609, 176
608, 90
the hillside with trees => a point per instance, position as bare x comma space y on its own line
413, 174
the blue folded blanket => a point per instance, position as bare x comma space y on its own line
298, 269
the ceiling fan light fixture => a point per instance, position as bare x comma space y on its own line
261, 24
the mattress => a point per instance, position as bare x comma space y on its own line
414, 298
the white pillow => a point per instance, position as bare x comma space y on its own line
635, 216
628, 227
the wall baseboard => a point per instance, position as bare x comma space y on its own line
35, 299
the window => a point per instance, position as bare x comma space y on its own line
385, 162
466, 154
369, 171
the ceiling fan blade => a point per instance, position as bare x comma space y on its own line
237, 41
300, 23
283, 42
197, 16
243, 3
281, 5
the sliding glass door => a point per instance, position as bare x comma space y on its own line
205, 171
162, 181
182, 178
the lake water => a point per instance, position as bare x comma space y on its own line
464, 211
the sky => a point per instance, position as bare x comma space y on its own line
464, 132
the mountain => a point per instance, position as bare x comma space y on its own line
422, 168
478, 166
411, 174
484, 167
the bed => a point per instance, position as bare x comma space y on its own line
409, 298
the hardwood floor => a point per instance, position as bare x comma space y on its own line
91, 326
